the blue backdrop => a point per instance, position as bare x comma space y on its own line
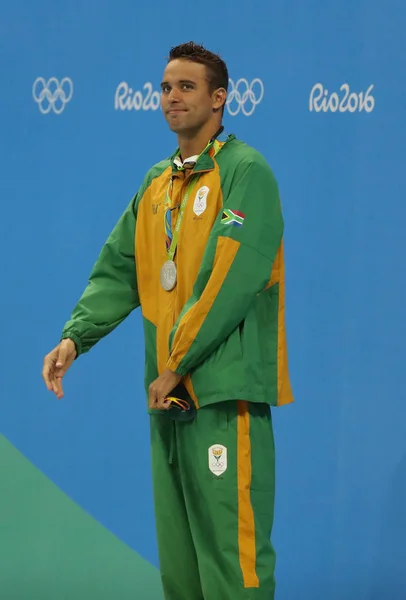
329, 115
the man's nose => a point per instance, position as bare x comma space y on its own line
174, 95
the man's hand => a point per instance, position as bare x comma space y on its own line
56, 363
161, 387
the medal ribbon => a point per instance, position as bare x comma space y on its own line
171, 237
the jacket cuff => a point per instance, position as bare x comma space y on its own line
174, 366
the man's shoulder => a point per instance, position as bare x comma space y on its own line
240, 155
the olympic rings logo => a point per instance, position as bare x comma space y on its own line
218, 465
244, 97
52, 94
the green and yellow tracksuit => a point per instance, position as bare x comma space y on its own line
222, 328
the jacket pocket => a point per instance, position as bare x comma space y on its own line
223, 371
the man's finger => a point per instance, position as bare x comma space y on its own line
46, 371
163, 403
54, 385
58, 387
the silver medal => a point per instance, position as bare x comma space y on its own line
168, 275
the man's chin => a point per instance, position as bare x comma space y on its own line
183, 128
177, 127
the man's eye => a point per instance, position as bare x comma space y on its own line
187, 86
166, 89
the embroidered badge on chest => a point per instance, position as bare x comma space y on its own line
217, 459
200, 203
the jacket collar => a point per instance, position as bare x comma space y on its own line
203, 162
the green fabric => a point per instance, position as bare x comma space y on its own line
246, 361
51, 549
150, 369
196, 511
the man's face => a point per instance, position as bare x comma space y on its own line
187, 103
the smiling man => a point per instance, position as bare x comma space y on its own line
200, 250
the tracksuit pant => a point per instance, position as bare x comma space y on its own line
214, 480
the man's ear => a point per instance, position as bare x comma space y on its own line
219, 97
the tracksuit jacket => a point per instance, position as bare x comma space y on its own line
223, 325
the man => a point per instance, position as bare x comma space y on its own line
199, 248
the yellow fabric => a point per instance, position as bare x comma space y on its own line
246, 523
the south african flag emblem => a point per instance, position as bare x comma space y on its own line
232, 217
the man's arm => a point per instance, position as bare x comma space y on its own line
111, 293
236, 266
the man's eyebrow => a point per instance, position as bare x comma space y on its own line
180, 81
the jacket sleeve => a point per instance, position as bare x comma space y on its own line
236, 266
111, 293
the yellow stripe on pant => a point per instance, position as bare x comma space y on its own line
246, 523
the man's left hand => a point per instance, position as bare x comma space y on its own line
161, 387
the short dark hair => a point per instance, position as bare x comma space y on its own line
216, 67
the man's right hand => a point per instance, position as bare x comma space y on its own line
56, 363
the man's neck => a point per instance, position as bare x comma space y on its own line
194, 143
